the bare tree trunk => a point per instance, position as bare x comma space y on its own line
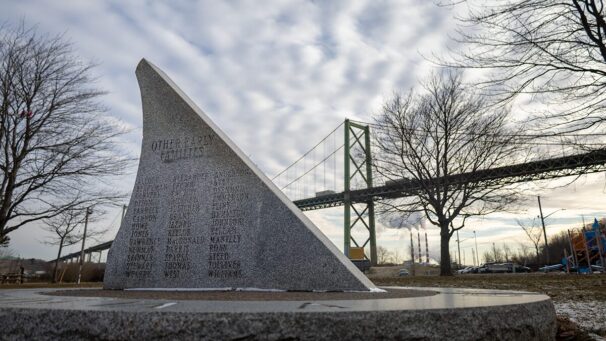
445, 267
57, 261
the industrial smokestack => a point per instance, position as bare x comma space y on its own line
412, 254
419, 244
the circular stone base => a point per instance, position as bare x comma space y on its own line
423, 314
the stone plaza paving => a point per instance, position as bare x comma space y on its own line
458, 314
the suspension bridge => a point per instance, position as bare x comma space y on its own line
338, 171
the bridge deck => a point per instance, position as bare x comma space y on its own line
591, 162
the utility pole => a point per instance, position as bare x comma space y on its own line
544, 231
88, 210
459, 248
477, 251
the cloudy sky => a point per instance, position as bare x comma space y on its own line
276, 77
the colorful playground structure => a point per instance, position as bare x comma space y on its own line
588, 249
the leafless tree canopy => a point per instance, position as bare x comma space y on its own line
427, 137
56, 147
553, 49
383, 255
534, 234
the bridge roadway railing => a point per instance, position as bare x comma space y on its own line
96, 248
578, 164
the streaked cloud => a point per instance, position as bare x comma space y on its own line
276, 76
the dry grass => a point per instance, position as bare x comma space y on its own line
36, 285
559, 287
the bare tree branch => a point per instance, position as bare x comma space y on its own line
56, 147
553, 50
534, 234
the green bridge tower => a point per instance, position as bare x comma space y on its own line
358, 165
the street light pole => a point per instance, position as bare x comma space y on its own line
473, 256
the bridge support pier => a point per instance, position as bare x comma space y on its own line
357, 142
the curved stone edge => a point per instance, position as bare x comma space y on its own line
526, 321
535, 321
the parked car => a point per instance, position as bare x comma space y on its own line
403, 273
502, 268
483, 269
466, 270
521, 268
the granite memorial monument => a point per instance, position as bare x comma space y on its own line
203, 216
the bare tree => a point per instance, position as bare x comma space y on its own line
488, 257
524, 254
440, 140
497, 253
507, 254
534, 233
66, 229
383, 255
554, 50
397, 258
56, 146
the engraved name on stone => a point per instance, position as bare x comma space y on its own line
181, 242
142, 245
227, 224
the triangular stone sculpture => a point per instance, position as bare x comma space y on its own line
203, 216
